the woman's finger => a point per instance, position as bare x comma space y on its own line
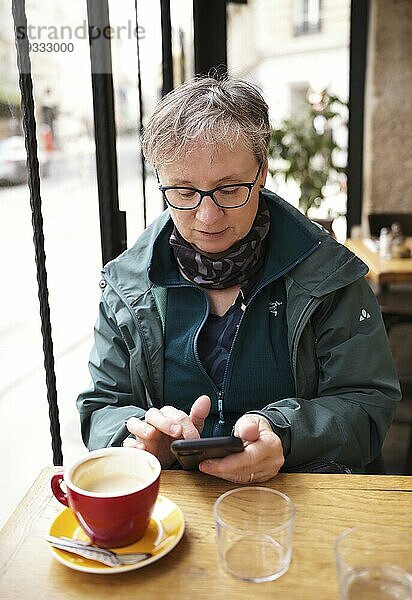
162, 423
130, 442
135, 426
199, 411
134, 443
188, 431
260, 461
142, 430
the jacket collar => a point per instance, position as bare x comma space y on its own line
327, 265
287, 243
328, 269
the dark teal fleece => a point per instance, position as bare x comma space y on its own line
258, 371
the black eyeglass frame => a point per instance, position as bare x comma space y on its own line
210, 193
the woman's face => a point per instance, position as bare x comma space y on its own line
208, 227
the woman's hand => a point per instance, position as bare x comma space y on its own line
161, 426
261, 459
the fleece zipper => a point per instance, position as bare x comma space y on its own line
262, 286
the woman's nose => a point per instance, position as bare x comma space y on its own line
208, 212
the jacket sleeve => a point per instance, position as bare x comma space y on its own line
113, 396
357, 390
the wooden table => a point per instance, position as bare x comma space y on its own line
326, 505
382, 272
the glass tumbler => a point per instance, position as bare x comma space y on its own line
254, 527
374, 563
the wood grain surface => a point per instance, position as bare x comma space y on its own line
381, 271
326, 505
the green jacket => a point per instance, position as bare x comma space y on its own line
346, 387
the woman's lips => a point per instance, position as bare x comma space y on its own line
213, 234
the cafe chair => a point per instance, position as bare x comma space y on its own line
395, 302
318, 466
404, 419
322, 465
396, 305
398, 321
408, 462
379, 220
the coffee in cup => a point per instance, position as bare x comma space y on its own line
112, 492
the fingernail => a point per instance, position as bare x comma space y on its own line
175, 430
131, 422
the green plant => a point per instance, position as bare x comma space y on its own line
308, 150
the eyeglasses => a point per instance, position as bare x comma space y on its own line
233, 195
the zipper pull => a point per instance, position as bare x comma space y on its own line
243, 305
220, 408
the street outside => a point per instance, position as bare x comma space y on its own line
73, 262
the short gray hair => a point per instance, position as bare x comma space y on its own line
211, 110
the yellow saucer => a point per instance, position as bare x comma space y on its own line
165, 530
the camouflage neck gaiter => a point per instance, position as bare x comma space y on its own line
232, 267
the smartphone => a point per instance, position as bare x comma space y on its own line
190, 453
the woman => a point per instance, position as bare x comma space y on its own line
233, 312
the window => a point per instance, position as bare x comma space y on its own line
307, 16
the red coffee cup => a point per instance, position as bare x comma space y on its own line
112, 492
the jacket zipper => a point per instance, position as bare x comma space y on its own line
219, 393
304, 317
220, 407
220, 396
143, 339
